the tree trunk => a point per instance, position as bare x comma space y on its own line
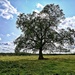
40, 54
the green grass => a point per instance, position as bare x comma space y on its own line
30, 65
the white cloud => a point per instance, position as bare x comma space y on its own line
39, 5
7, 10
7, 47
36, 11
0, 39
8, 35
13, 34
68, 22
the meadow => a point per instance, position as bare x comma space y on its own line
30, 65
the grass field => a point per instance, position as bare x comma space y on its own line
30, 65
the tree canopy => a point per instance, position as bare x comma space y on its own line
39, 30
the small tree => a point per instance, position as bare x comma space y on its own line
39, 29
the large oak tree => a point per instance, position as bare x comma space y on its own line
39, 29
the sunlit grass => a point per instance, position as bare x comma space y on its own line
35, 57
16, 58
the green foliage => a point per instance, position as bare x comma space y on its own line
29, 65
66, 36
38, 28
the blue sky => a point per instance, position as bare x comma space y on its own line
9, 9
